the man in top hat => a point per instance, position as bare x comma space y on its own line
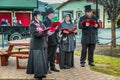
52, 41
89, 27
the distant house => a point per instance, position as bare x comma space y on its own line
54, 6
76, 9
12, 10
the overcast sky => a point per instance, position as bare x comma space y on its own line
53, 1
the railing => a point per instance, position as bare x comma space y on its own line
23, 30
104, 36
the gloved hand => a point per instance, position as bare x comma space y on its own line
50, 32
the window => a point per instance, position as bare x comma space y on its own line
24, 17
78, 14
6, 16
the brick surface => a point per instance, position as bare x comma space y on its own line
77, 73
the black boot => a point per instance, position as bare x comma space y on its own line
91, 64
54, 69
82, 65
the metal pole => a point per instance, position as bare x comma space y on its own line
97, 9
2, 40
97, 18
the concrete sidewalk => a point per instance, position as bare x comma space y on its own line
77, 73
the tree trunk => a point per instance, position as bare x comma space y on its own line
113, 30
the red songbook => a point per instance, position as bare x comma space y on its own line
53, 26
90, 21
93, 22
69, 30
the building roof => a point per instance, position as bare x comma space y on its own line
63, 4
55, 5
18, 4
73, 0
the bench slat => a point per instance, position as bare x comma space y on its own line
20, 55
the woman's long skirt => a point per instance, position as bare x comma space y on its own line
66, 60
37, 63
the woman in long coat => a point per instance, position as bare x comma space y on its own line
37, 61
67, 43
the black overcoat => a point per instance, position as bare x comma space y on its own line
52, 40
89, 33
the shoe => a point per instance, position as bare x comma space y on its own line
82, 65
66, 67
62, 68
44, 76
54, 69
38, 78
91, 64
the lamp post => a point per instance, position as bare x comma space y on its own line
97, 18
46, 7
97, 9
2, 40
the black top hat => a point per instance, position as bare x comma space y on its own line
35, 13
50, 10
88, 8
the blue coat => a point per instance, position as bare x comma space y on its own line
67, 41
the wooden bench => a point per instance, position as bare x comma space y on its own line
4, 57
24, 55
22, 48
20, 56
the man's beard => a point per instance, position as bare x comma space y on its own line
89, 16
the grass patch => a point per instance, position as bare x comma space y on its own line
105, 64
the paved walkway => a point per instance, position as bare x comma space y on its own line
77, 73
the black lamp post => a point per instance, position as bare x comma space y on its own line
3, 40
97, 18
97, 9
45, 7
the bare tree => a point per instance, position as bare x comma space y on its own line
113, 10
